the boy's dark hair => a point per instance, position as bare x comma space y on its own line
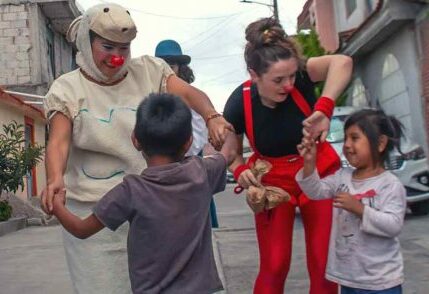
375, 123
163, 125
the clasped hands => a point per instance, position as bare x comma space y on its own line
312, 135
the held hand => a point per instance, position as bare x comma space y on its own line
348, 202
307, 149
316, 126
247, 179
49, 192
218, 130
59, 200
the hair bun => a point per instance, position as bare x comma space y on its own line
264, 32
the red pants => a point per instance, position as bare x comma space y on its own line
275, 229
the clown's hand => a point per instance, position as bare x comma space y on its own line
218, 129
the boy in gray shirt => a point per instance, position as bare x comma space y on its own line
167, 206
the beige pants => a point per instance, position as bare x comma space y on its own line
97, 265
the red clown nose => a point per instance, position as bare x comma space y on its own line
117, 60
288, 88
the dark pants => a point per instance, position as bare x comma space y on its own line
213, 215
348, 290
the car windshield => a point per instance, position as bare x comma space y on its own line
336, 130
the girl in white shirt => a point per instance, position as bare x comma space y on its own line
369, 205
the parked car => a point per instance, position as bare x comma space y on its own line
411, 167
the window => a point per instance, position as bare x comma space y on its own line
350, 6
390, 66
359, 98
392, 93
51, 50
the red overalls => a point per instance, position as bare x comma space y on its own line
274, 227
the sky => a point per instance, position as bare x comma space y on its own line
211, 32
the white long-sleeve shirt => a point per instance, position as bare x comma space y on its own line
363, 253
199, 132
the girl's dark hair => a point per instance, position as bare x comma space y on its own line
374, 124
163, 125
267, 43
186, 73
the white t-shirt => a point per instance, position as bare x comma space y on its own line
103, 118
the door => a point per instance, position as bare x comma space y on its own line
31, 175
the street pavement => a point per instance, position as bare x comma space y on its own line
236, 240
32, 260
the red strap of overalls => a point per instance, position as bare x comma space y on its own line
301, 102
248, 117
296, 96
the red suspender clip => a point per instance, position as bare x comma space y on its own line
238, 189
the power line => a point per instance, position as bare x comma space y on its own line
273, 6
173, 16
219, 25
205, 31
217, 57
213, 34
220, 76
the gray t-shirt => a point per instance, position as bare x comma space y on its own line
169, 242
363, 253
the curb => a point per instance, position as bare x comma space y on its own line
218, 260
12, 225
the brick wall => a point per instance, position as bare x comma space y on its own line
14, 45
24, 61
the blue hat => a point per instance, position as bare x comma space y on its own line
170, 51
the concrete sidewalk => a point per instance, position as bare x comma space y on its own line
32, 260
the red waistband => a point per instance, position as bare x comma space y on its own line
276, 160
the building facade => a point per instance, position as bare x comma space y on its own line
33, 47
389, 43
13, 108
33, 52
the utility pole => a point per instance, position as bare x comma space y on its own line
276, 10
274, 6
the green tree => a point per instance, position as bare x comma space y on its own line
16, 161
310, 45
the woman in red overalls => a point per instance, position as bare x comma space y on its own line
271, 110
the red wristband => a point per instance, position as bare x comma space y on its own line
238, 170
325, 105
